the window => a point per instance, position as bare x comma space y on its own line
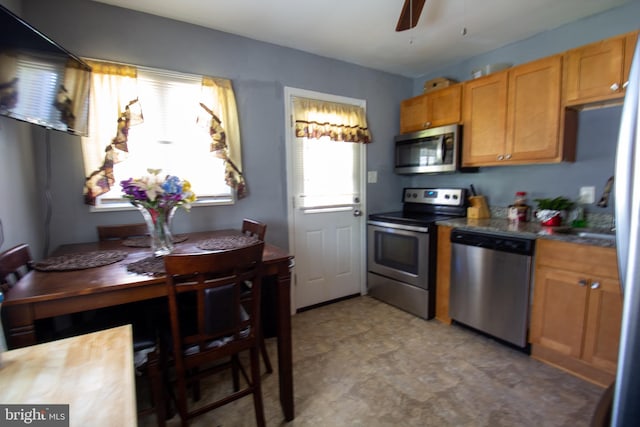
325, 171
170, 139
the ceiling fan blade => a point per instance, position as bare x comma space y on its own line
410, 14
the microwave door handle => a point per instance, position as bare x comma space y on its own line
440, 152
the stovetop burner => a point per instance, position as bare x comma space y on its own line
411, 218
425, 206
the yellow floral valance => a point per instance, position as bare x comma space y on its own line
340, 122
112, 69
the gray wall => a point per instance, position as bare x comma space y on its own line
259, 72
20, 207
597, 133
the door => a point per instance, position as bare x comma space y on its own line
533, 116
438, 108
592, 70
413, 114
485, 120
326, 225
559, 310
602, 333
445, 106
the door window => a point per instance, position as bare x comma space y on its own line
326, 173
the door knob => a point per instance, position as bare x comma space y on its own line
582, 282
614, 87
357, 212
595, 285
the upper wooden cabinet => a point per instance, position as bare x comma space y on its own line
438, 108
598, 72
515, 116
577, 309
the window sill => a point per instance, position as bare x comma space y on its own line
126, 206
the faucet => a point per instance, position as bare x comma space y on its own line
604, 200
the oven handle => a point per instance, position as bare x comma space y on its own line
417, 228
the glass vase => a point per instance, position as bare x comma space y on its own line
158, 222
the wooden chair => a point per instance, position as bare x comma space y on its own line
122, 231
213, 319
251, 227
15, 263
258, 229
143, 316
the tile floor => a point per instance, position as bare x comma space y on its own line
361, 362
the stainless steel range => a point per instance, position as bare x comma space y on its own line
402, 248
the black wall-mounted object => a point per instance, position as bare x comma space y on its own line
40, 81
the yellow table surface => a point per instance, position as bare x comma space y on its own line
93, 373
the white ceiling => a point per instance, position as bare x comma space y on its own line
363, 31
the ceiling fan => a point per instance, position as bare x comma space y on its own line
410, 14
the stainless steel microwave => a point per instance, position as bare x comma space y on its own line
434, 150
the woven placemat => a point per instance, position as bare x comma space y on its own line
151, 266
145, 241
226, 242
80, 261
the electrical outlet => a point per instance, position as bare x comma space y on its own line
372, 177
587, 195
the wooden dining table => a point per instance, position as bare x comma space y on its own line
93, 374
46, 294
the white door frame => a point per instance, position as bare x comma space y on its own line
288, 117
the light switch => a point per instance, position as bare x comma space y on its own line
587, 195
372, 177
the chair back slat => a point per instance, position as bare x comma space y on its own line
121, 231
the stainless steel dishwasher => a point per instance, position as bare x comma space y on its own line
491, 283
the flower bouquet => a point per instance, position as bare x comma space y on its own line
157, 198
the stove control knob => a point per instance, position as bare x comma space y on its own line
455, 197
446, 196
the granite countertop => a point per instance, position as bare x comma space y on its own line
531, 230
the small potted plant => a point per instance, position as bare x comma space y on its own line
552, 212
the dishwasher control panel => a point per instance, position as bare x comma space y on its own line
498, 242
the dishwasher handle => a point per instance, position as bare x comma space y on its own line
493, 241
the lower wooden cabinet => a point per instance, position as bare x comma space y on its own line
443, 274
577, 309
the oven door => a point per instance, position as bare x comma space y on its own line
399, 252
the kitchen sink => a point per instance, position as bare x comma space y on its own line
593, 235
590, 233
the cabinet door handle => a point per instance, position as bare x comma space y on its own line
614, 87
595, 285
500, 157
582, 282
427, 124
507, 156
625, 84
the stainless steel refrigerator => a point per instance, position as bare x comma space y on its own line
626, 403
